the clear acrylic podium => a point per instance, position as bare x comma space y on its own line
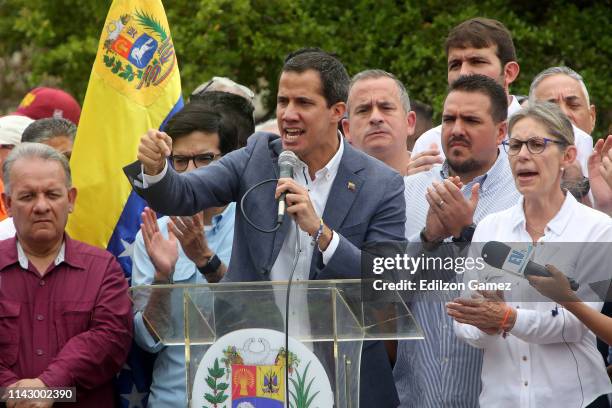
331, 318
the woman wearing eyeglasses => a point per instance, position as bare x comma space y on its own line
537, 354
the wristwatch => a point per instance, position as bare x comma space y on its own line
578, 189
211, 266
429, 245
466, 234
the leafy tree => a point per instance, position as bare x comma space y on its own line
248, 39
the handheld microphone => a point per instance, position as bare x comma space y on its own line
287, 160
516, 261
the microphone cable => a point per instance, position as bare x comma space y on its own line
251, 223
298, 251
573, 356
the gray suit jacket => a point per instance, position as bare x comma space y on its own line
372, 209
366, 204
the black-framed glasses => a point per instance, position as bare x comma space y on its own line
181, 162
535, 145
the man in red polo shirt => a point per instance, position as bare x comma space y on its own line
65, 315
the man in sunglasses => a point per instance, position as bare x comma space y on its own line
184, 250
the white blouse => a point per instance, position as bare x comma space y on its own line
549, 358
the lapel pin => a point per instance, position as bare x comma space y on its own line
351, 186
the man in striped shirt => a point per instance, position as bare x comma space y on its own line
443, 204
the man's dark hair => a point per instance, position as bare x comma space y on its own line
196, 117
422, 110
237, 113
334, 78
483, 32
42, 130
488, 87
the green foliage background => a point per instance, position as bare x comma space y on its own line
247, 39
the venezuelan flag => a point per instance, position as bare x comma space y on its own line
134, 86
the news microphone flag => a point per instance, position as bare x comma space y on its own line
134, 86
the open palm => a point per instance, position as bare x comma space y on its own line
162, 252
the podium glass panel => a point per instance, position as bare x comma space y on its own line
330, 319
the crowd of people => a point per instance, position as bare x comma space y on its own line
498, 168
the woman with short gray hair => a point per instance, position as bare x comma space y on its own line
527, 342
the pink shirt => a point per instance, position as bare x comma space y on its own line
70, 328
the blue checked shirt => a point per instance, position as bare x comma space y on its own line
168, 387
441, 370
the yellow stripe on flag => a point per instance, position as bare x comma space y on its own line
134, 84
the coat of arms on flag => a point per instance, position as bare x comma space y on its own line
138, 54
134, 86
246, 369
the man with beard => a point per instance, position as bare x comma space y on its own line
443, 204
482, 46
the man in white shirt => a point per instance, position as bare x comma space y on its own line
566, 88
476, 46
483, 46
379, 118
339, 197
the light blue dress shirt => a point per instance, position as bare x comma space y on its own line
168, 387
441, 370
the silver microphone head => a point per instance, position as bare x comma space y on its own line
288, 158
287, 161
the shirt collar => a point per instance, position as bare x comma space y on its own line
514, 106
67, 253
218, 220
23, 259
331, 168
558, 223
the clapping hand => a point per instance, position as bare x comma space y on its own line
163, 252
190, 233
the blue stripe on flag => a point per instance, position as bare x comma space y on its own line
122, 241
134, 380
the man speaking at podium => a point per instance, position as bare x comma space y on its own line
339, 197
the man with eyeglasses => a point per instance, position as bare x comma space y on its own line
55, 132
443, 205
200, 136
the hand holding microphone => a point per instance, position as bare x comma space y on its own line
287, 160
295, 200
501, 256
555, 287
